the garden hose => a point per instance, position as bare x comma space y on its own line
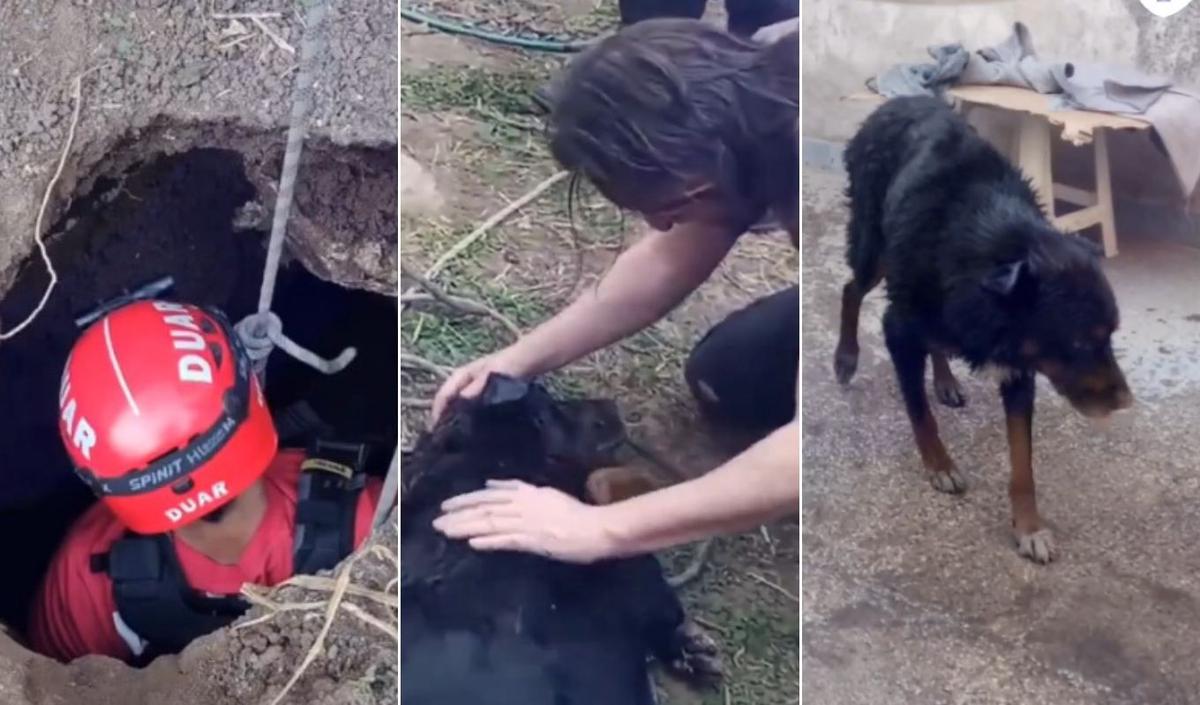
450, 27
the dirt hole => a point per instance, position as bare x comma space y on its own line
167, 215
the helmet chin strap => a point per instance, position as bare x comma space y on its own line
225, 540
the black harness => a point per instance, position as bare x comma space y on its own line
153, 598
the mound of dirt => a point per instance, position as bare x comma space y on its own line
168, 77
343, 222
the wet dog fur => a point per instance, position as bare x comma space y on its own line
974, 270
502, 628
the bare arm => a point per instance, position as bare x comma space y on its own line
643, 285
758, 485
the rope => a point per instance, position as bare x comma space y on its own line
449, 27
262, 332
38, 236
301, 102
388, 495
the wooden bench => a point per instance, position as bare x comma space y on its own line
1032, 151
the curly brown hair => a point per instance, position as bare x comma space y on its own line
667, 105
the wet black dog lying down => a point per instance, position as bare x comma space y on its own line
500, 628
973, 270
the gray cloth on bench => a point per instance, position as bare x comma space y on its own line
949, 60
1013, 62
1172, 110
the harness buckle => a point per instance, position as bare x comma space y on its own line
322, 465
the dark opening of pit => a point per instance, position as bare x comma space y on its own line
172, 215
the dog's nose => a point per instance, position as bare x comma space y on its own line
1124, 399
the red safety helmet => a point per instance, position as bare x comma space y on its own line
162, 415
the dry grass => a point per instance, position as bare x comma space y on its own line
338, 589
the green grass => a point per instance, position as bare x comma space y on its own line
526, 18
507, 150
765, 671
452, 339
756, 627
605, 17
446, 341
470, 87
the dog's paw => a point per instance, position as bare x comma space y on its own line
949, 393
845, 362
949, 481
1037, 546
700, 656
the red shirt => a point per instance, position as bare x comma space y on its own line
74, 612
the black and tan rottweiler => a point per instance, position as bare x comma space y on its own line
974, 270
503, 628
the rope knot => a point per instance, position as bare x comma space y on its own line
262, 332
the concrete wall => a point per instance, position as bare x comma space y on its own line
848, 41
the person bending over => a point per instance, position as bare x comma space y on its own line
697, 130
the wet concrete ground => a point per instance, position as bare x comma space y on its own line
912, 596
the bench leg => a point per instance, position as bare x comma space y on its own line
1033, 158
1104, 200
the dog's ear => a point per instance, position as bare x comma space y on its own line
501, 389
1003, 280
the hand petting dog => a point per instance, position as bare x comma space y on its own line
510, 515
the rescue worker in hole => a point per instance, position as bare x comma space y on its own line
696, 130
164, 419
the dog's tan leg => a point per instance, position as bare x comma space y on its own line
845, 358
943, 473
1033, 541
908, 351
614, 484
